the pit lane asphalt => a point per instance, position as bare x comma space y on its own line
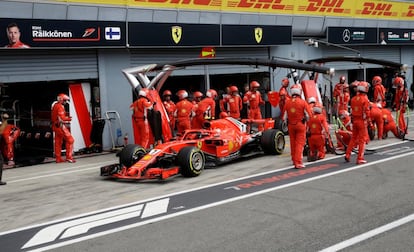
309, 216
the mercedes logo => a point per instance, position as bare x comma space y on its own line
346, 35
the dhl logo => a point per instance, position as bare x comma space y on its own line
324, 6
376, 9
255, 4
410, 12
260, 4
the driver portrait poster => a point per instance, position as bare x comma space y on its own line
41, 33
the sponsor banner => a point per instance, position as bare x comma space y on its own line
352, 35
164, 34
395, 36
256, 35
64, 33
375, 9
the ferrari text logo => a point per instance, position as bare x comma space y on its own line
258, 34
176, 32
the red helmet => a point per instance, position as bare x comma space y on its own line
197, 94
211, 93
285, 82
143, 92
363, 86
223, 115
398, 82
63, 98
296, 90
234, 89
342, 79
354, 84
182, 94
254, 84
166, 92
343, 114
317, 108
376, 80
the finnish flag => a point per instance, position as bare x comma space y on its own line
112, 33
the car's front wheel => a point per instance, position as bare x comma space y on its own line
130, 154
191, 161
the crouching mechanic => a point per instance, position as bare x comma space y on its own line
60, 122
360, 114
389, 124
344, 133
318, 131
297, 112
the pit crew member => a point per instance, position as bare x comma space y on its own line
60, 122
296, 114
360, 114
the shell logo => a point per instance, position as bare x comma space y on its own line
231, 145
313, 126
146, 157
293, 110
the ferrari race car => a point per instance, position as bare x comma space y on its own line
220, 141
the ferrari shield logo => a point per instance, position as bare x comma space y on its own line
258, 34
176, 32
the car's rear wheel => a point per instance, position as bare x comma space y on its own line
130, 154
273, 142
191, 161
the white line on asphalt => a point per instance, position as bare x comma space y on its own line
369, 234
84, 238
94, 167
180, 192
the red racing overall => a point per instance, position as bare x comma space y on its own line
297, 112
140, 110
318, 129
360, 114
59, 126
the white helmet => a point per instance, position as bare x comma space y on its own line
312, 100
296, 90
317, 109
143, 92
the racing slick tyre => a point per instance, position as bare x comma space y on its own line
191, 161
130, 154
273, 142
281, 125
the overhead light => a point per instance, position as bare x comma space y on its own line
311, 42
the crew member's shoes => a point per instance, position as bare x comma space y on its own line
59, 160
346, 158
11, 163
2, 183
71, 160
299, 166
361, 161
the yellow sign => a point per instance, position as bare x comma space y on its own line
176, 32
258, 34
208, 52
372, 9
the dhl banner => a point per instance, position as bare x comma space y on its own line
371, 9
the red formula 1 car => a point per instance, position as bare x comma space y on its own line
221, 141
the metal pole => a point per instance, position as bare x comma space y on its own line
206, 77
